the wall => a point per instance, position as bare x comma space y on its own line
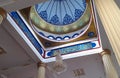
92, 66
29, 71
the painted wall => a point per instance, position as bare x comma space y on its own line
29, 71
91, 65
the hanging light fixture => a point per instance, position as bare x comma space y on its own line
59, 66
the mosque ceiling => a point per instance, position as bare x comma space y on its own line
68, 26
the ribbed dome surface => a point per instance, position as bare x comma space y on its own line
61, 12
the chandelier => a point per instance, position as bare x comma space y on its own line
59, 66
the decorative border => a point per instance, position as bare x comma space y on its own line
26, 31
74, 48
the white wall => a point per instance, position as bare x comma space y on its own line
92, 66
29, 71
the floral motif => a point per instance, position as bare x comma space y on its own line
43, 15
67, 19
55, 20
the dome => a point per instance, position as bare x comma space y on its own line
60, 20
61, 12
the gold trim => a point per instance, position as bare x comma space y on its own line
41, 64
44, 26
2, 15
106, 51
3, 12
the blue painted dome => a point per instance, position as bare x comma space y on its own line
60, 20
61, 12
